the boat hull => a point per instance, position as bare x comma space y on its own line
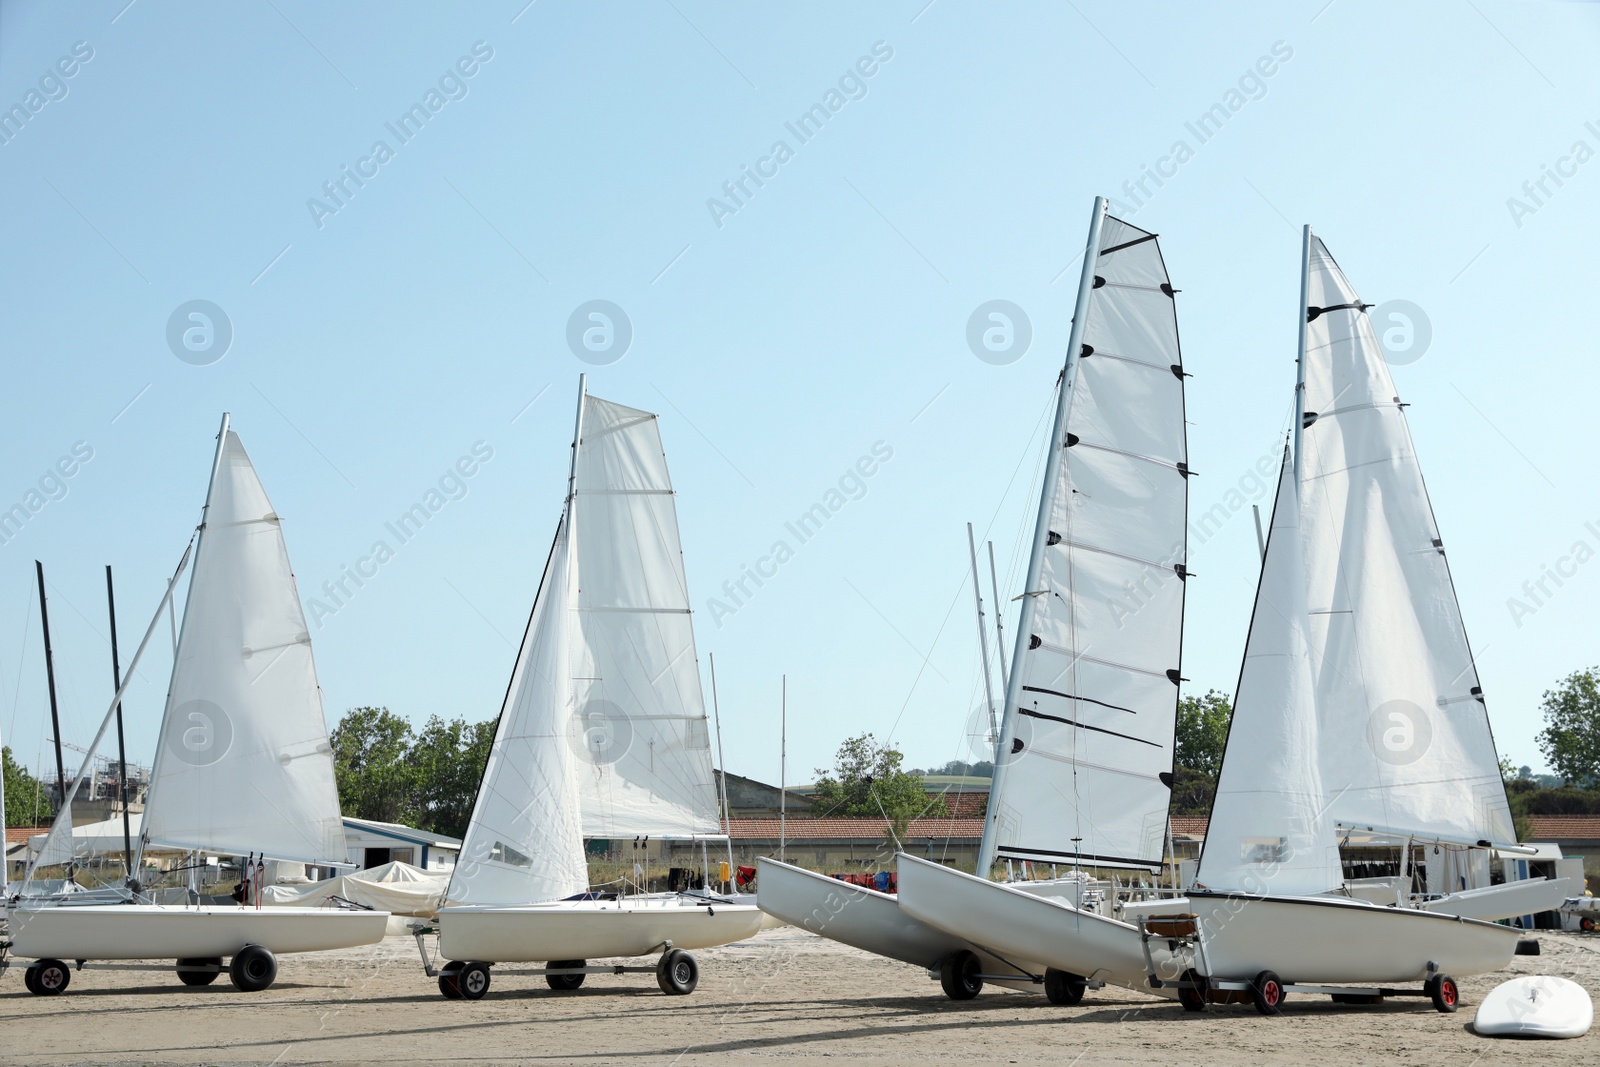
1329, 941
584, 930
157, 931
875, 922
1008, 920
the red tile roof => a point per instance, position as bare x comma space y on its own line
1189, 825
1565, 827
22, 833
861, 829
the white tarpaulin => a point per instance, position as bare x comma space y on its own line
397, 888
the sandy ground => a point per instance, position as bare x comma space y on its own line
783, 996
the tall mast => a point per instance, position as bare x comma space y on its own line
999, 622
577, 437
783, 773
1041, 530
122, 748
983, 637
50, 678
1300, 359
722, 777
199, 540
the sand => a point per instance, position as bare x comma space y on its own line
783, 996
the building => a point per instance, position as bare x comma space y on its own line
750, 798
369, 843
1578, 836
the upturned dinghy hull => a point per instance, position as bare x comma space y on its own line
875, 922
1334, 941
1008, 920
157, 931
587, 929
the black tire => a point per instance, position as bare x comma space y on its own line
28, 980
253, 969
1268, 993
473, 980
1586, 925
1193, 991
565, 982
1061, 987
449, 985
49, 978
199, 970
1444, 993
958, 974
677, 974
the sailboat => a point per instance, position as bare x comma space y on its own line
1358, 708
602, 734
1083, 763
243, 767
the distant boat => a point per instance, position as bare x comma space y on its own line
243, 767
603, 733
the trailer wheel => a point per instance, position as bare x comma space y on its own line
199, 970
677, 974
1062, 987
1268, 993
473, 980
449, 984
1193, 990
1586, 924
253, 969
958, 974
565, 981
48, 978
1444, 992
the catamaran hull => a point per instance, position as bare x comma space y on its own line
585, 930
1324, 941
156, 931
866, 919
1008, 920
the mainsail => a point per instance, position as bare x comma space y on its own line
1405, 732
639, 732
243, 763
1270, 830
1084, 766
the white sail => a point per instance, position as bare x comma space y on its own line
1270, 830
1405, 732
243, 762
524, 843
640, 731
1086, 753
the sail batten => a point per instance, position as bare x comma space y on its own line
1088, 728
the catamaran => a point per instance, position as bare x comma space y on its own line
602, 734
1083, 764
243, 768
1360, 709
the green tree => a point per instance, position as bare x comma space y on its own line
372, 764
448, 760
867, 783
1570, 739
26, 801
1203, 732
1192, 792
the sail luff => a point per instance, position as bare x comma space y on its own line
987, 847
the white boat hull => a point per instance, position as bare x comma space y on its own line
158, 931
1011, 921
876, 922
1332, 941
587, 929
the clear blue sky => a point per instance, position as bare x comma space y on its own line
375, 345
